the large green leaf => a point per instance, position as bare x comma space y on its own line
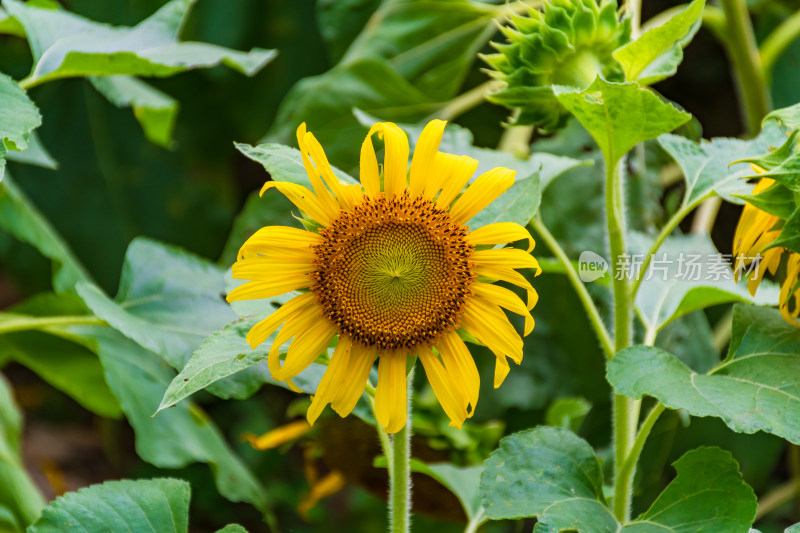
154, 110
707, 166
620, 115
18, 117
158, 505
326, 102
687, 274
177, 436
707, 496
462, 481
67, 45
430, 43
34, 154
656, 54
789, 117
168, 301
20, 217
409, 59
518, 204
549, 473
19, 497
753, 389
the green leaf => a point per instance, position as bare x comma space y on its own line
284, 163
687, 274
707, 166
19, 497
790, 234
620, 115
430, 43
551, 474
168, 301
232, 528
66, 45
177, 436
788, 117
776, 200
753, 389
708, 496
326, 102
154, 110
20, 218
226, 353
34, 154
158, 505
67, 366
18, 117
792, 529
567, 412
9, 25
656, 54
462, 481
518, 204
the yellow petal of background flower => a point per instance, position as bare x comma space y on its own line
280, 435
390, 394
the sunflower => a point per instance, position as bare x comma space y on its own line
756, 231
390, 269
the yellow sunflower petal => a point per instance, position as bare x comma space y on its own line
260, 268
395, 160
460, 170
509, 276
447, 394
481, 193
306, 347
265, 328
390, 394
368, 170
501, 370
505, 299
347, 195
461, 366
295, 326
327, 486
424, 153
506, 257
300, 196
326, 199
275, 286
487, 322
501, 233
354, 379
327, 389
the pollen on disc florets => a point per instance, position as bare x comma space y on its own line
393, 272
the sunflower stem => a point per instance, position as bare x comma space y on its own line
741, 44
400, 473
626, 410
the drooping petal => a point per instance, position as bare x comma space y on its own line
501, 233
300, 196
481, 193
298, 305
354, 379
509, 276
327, 390
463, 168
326, 199
461, 366
390, 394
487, 322
298, 325
505, 299
306, 347
347, 195
424, 153
446, 392
395, 160
501, 370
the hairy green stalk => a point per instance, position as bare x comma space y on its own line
400, 473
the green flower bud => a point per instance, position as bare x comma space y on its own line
569, 43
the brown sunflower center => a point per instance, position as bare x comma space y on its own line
393, 272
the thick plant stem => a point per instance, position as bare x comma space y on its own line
626, 410
583, 294
742, 48
400, 474
22, 323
